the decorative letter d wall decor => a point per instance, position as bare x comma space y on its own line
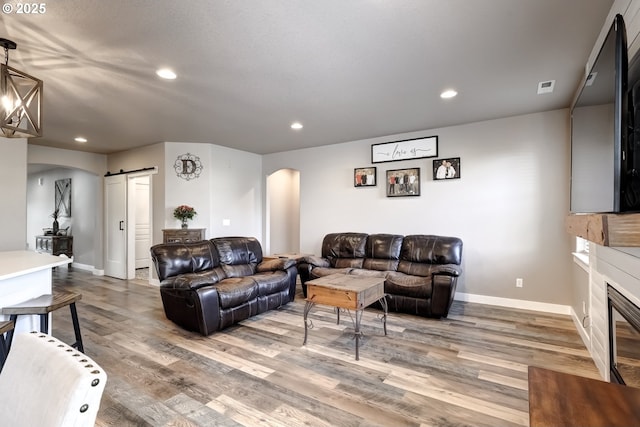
188, 166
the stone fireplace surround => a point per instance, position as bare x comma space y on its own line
620, 269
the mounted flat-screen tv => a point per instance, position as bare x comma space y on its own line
602, 155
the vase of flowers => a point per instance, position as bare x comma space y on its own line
184, 213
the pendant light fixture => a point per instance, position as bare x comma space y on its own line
21, 100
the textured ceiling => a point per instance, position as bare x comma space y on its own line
346, 69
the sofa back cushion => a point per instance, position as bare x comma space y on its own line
172, 259
344, 249
419, 252
382, 252
238, 256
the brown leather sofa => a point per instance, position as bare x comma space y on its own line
420, 271
209, 285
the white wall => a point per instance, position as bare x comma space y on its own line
140, 158
84, 204
227, 188
91, 245
508, 207
13, 175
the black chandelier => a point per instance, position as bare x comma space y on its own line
21, 100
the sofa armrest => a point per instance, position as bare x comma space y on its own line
444, 289
452, 270
275, 265
316, 261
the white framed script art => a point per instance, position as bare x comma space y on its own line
407, 149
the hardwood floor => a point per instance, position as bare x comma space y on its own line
468, 369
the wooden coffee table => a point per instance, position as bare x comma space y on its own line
348, 292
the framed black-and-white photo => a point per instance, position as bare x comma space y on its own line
407, 149
364, 177
403, 182
446, 169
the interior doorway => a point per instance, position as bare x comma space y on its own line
128, 219
282, 228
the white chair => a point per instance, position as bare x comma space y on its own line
45, 382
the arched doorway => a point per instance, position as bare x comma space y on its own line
283, 212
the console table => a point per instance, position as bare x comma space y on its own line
183, 235
558, 399
55, 245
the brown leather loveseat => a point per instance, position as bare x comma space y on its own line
209, 285
420, 271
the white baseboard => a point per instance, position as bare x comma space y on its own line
514, 303
581, 330
87, 267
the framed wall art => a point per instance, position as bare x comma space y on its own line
446, 169
63, 197
417, 148
364, 177
403, 182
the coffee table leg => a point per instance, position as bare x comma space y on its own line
357, 332
385, 308
307, 323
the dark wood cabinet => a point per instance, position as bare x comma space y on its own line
182, 235
55, 245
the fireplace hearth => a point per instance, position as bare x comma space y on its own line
624, 339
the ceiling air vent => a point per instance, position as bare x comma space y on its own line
546, 87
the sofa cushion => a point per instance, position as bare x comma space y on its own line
419, 251
326, 271
244, 252
236, 291
172, 259
348, 262
271, 282
194, 280
408, 285
368, 273
343, 246
383, 252
431, 249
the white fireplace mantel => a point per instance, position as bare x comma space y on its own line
620, 268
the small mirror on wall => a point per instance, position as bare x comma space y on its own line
403, 182
364, 177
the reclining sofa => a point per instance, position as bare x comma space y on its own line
209, 285
420, 271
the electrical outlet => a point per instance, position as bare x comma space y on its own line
519, 282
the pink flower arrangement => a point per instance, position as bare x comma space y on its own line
184, 212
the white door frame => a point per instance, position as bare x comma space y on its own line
131, 215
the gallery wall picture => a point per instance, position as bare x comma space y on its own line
444, 169
364, 177
407, 149
403, 182
63, 197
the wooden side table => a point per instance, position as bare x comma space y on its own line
183, 235
55, 245
349, 292
558, 399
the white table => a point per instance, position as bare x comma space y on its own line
25, 275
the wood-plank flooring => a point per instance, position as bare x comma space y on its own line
469, 369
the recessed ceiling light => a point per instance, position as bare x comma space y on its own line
450, 93
296, 125
166, 73
80, 139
